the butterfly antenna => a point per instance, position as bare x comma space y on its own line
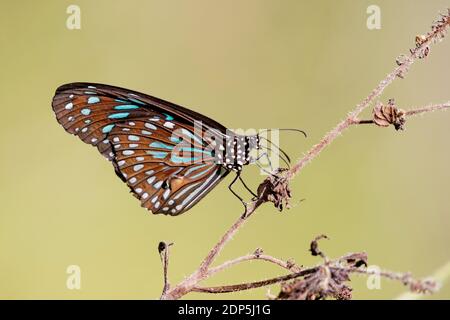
279, 155
285, 129
278, 148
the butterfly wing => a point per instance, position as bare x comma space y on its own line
151, 142
169, 174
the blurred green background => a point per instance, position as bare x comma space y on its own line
247, 64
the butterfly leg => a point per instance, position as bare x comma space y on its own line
256, 161
231, 189
246, 187
234, 192
265, 154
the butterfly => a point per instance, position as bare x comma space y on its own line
169, 156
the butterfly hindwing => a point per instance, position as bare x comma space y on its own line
163, 171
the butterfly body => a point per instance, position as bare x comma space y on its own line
168, 155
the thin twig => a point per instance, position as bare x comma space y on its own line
254, 256
441, 275
399, 71
256, 284
163, 249
405, 278
226, 237
429, 108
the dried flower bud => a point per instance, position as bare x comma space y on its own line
331, 278
314, 246
275, 189
354, 260
385, 115
321, 284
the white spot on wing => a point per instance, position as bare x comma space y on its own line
158, 184
150, 126
133, 138
169, 125
166, 194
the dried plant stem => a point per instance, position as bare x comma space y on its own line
347, 122
254, 256
256, 284
399, 71
203, 271
191, 283
429, 108
405, 278
441, 275
226, 237
411, 112
164, 253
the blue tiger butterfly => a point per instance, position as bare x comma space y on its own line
154, 145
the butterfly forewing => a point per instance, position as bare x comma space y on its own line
152, 143
91, 116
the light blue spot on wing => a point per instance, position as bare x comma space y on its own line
157, 154
168, 117
108, 128
175, 139
86, 111
92, 100
161, 145
126, 107
119, 115
136, 100
195, 150
177, 159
